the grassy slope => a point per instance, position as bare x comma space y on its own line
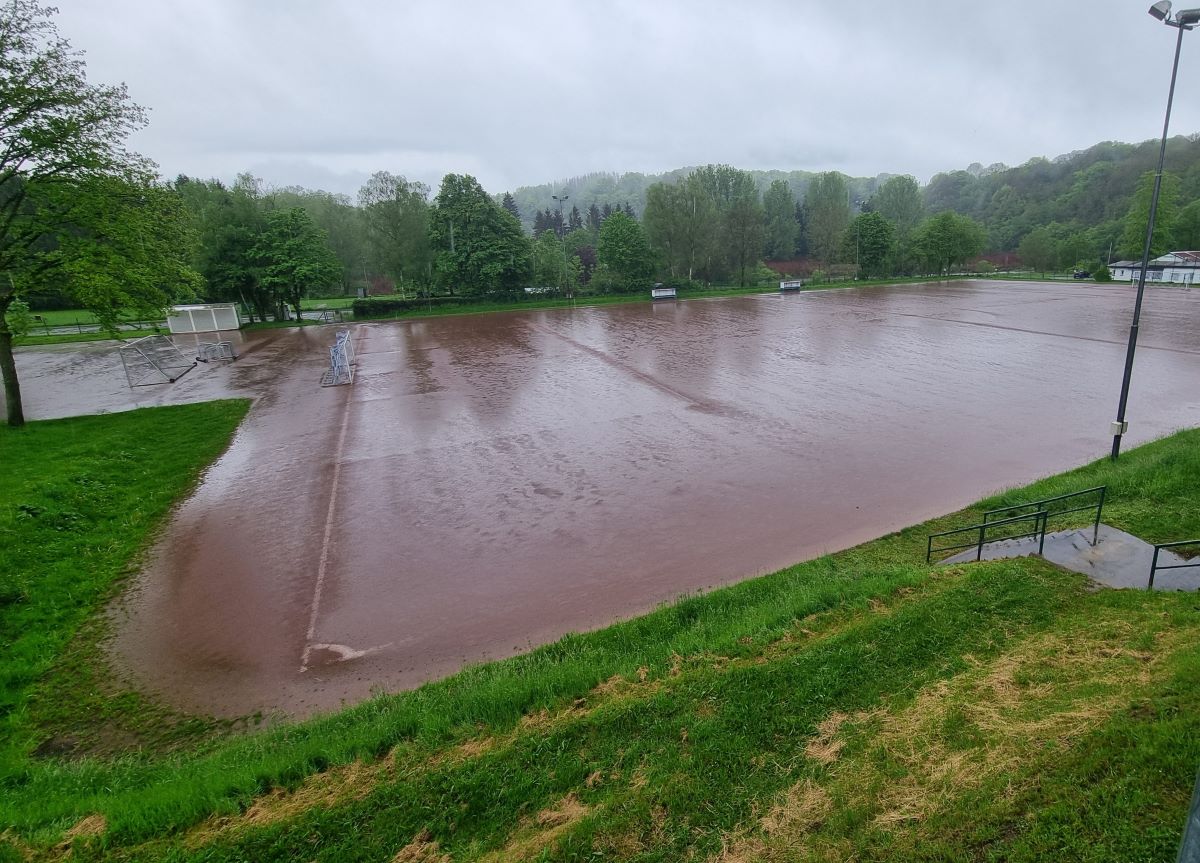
858, 703
78, 500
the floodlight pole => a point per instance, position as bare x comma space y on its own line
561, 228
1184, 21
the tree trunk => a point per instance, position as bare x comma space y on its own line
8, 372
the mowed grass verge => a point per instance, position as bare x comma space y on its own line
862, 705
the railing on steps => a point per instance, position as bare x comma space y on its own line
1048, 505
1154, 567
1189, 845
981, 530
1043, 511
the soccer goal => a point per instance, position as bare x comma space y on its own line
341, 361
209, 351
154, 360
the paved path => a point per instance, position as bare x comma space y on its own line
1118, 559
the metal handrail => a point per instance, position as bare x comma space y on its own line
1039, 530
1042, 507
1154, 567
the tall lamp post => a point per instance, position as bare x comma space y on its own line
561, 228
1181, 21
562, 232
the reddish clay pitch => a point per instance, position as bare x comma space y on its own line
492, 482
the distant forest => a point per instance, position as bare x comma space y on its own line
1083, 196
709, 225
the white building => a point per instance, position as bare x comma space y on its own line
1180, 268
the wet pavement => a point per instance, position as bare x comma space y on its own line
1117, 559
492, 482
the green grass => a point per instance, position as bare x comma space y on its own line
65, 317
859, 705
79, 499
63, 338
314, 303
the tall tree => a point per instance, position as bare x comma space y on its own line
336, 215
802, 249
780, 208
581, 246
295, 256
510, 203
624, 255
745, 231
593, 221
681, 223
869, 242
396, 212
948, 239
1038, 250
229, 222
828, 205
575, 222
899, 201
549, 261
62, 150
1187, 228
1133, 237
735, 199
480, 247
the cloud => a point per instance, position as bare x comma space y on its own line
521, 92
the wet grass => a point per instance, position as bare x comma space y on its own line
861, 705
63, 339
79, 499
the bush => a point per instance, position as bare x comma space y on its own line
765, 276
1103, 274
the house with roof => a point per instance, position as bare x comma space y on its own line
1179, 268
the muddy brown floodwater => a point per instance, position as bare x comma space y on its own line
490, 483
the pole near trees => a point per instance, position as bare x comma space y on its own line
1185, 20
561, 230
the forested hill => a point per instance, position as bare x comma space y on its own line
1088, 190
620, 189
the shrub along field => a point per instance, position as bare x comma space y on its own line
859, 706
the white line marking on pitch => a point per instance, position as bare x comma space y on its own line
323, 566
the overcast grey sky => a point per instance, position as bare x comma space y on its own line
321, 94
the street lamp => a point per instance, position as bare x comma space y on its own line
1181, 21
561, 229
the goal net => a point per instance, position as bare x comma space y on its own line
341, 361
154, 360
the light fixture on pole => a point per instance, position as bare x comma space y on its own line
561, 229
1181, 21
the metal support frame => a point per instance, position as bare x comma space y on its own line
207, 351
1154, 567
1120, 426
341, 361
1041, 516
154, 360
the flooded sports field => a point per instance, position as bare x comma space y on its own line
492, 482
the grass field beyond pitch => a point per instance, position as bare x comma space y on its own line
859, 706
